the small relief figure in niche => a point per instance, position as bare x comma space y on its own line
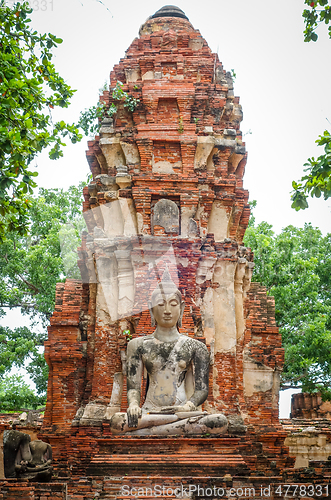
165, 214
178, 375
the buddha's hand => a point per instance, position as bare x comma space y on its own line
134, 413
188, 406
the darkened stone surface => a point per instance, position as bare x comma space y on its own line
169, 11
27, 459
15, 442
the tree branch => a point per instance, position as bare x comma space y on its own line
30, 285
284, 387
31, 306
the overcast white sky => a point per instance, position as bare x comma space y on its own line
283, 84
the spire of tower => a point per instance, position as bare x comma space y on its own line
170, 11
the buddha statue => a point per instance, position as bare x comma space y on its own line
26, 459
177, 375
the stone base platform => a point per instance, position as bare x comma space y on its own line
199, 456
88, 451
173, 445
209, 464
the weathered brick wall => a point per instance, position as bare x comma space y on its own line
305, 405
172, 487
309, 440
263, 357
13, 489
65, 353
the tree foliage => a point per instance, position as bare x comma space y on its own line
30, 267
295, 266
317, 180
16, 394
90, 119
319, 12
30, 88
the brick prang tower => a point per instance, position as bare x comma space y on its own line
167, 191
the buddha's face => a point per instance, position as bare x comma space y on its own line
166, 309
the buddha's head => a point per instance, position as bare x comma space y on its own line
166, 305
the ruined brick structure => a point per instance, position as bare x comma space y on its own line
310, 406
167, 190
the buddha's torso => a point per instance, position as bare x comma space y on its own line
167, 364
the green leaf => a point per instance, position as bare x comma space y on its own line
317, 180
29, 83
